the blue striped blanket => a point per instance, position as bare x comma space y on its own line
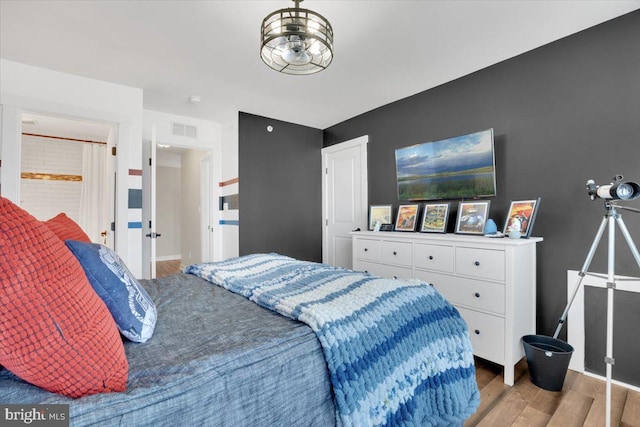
398, 353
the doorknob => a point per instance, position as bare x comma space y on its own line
103, 233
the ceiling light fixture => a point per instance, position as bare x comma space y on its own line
296, 41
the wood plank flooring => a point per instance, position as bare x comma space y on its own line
580, 403
167, 268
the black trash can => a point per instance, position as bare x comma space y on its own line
548, 359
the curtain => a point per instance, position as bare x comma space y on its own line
94, 203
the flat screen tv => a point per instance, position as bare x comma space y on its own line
462, 167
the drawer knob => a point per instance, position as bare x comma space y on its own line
477, 263
477, 331
395, 253
395, 277
430, 256
477, 294
365, 249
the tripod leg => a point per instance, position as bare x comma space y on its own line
581, 275
609, 361
627, 237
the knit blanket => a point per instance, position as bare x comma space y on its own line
398, 353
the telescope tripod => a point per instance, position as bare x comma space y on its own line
611, 219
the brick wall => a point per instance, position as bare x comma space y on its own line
43, 198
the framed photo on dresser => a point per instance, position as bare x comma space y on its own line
521, 216
379, 214
472, 216
434, 218
407, 217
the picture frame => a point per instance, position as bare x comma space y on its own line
434, 218
407, 217
522, 215
381, 213
472, 217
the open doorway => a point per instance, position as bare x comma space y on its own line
183, 208
66, 166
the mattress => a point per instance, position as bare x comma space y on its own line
215, 359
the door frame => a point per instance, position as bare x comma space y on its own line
110, 164
361, 142
148, 270
206, 219
11, 149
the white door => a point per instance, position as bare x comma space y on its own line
206, 216
112, 177
344, 198
149, 225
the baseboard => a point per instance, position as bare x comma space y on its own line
168, 257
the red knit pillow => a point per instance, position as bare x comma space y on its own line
66, 228
55, 332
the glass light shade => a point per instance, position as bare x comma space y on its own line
296, 41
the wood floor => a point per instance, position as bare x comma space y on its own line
580, 403
167, 268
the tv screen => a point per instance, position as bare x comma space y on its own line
455, 168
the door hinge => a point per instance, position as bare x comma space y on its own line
149, 161
113, 226
326, 171
113, 151
326, 222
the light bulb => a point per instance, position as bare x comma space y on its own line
295, 53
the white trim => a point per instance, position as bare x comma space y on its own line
361, 142
15, 105
575, 317
168, 257
616, 382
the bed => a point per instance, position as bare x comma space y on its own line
223, 355
215, 359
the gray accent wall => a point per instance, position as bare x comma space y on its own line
561, 114
280, 188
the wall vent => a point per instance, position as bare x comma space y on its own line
182, 129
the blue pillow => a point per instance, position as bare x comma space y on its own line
129, 304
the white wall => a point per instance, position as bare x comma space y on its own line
43, 198
230, 242
169, 212
209, 139
24, 88
191, 231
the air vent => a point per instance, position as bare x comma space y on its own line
181, 129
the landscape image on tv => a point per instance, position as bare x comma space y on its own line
454, 168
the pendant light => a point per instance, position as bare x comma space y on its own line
296, 41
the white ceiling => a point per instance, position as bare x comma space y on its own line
384, 50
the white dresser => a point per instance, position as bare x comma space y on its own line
491, 281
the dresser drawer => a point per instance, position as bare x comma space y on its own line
472, 293
383, 270
368, 249
486, 333
399, 253
481, 263
433, 257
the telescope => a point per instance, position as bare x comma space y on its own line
617, 189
